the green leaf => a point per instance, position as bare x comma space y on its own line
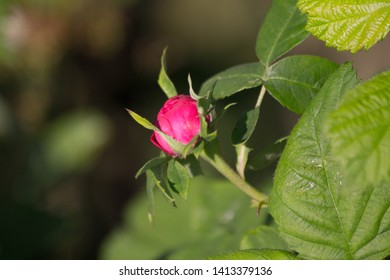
163, 80
192, 165
316, 214
295, 80
181, 149
150, 184
142, 121
360, 132
233, 80
204, 130
348, 24
283, 28
150, 164
158, 175
242, 131
178, 178
198, 149
214, 217
192, 92
254, 254
245, 126
269, 155
263, 237
223, 111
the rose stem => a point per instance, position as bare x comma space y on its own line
261, 95
218, 163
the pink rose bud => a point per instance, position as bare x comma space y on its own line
179, 119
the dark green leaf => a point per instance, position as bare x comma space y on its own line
295, 80
158, 174
317, 215
245, 126
282, 29
178, 178
233, 80
269, 155
360, 132
150, 164
191, 164
163, 79
254, 254
205, 132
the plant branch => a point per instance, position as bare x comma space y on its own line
261, 96
218, 163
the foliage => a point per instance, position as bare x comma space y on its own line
360, 131
348, 25
331, 191
215, 217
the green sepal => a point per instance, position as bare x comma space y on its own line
150, 164
164, 81
159, 174
192, 92
178, 178
180, 149
142, 121
198, 149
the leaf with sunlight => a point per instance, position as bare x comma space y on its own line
316, 214
360, 131
347, 24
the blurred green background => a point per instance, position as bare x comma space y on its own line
69, 151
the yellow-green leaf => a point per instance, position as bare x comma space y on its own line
347, 24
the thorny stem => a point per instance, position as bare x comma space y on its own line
218, 163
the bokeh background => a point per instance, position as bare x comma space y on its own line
69, 151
